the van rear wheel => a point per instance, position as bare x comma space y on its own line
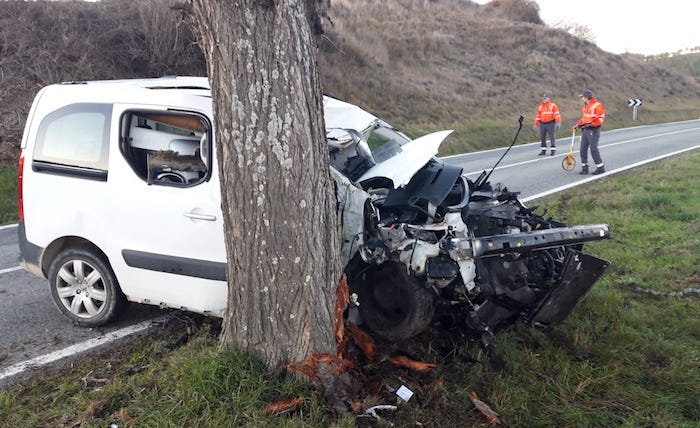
84, 288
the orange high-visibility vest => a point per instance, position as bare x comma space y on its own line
593, 114
547, 112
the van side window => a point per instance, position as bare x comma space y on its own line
75, 136
167, 148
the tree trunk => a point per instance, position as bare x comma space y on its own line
277, 192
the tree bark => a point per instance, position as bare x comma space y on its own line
277, 193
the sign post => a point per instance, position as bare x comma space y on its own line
634, 103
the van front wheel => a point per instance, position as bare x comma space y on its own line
392, 303
84, 288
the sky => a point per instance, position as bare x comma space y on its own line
645, 27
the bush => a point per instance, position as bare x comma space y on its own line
49, 42
518, 10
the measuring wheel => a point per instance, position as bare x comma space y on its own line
568, 163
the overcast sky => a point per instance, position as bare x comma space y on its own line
637, 26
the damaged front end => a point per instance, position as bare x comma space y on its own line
422, 242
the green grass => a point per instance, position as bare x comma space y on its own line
8, 193
149, 385
623, 358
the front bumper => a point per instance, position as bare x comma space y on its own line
487, 246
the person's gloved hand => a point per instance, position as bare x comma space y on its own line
535, 127
558, 125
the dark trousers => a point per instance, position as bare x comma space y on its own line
548, 128
590, 140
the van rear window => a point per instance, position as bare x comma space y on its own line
76, 135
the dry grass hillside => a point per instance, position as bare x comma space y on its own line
44, 42
455, 64
421, 64
690, 63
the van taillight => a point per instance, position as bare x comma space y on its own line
20, 201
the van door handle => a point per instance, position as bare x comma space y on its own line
196, 216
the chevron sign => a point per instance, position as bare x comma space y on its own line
634, 102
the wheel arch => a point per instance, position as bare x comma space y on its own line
60, 244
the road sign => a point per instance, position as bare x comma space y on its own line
634, 103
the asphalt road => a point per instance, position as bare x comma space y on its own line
30, 325
532, 175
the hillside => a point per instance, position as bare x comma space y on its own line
689, 63
454, 64
421, 64
44, 42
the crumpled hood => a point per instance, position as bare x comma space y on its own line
414, 155
341, 115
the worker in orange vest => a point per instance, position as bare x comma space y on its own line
592, 117
547, 118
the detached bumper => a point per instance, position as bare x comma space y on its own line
487, 246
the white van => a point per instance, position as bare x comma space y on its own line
119, 201
119, 197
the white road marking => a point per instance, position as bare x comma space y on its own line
596, 177
612, 131
12, 269
564, 152
77, 348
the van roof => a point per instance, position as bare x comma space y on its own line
166, 82
183, 91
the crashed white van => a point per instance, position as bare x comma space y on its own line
120, 201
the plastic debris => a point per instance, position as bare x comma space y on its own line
404, 393
372, 411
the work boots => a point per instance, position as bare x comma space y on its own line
543, 152
584, 170
599, 170
553, 151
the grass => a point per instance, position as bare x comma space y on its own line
150, 385
8, 193
624, 358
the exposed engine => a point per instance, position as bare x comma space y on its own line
419, 240
444, 246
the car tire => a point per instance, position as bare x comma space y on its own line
393, 304
84, 288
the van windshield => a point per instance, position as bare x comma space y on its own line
353, 153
